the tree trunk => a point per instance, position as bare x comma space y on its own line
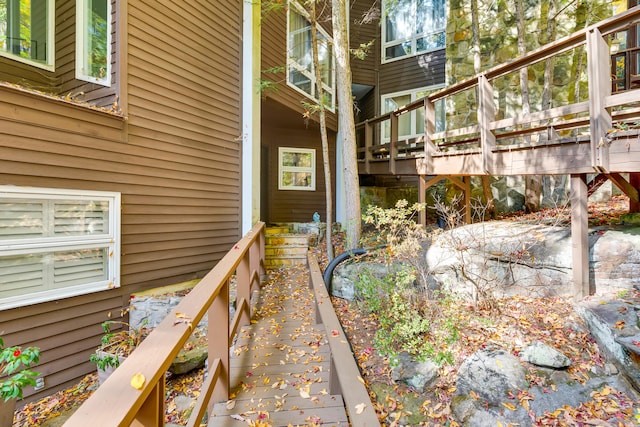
346, 123
323, 133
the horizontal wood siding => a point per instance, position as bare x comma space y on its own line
289, 205
364, 29
418, 71
274, 55
175, 160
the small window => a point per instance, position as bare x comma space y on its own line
56, 244
93, 41
300, 71
297, 169
411, 27
411, 125
27, 31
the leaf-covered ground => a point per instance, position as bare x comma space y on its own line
509, 324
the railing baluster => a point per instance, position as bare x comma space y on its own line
393, 143
243, 289
152, 411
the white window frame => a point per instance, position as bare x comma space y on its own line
82, 45
49, 65
26, 246
413, 39
329, 89
282, 169
412, 114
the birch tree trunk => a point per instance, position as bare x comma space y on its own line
346, 123
323, 132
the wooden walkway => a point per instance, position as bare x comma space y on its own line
280, 364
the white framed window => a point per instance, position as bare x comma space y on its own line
300, 71
411, 124
296, 169
27, 31
93, 41
411, 27
57, 244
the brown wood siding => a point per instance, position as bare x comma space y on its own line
279, 129
175, 160
364, 71
418, 71
273, 54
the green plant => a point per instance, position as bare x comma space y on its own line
12, 359
115, 345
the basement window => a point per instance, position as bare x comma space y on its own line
56, 244
27, 31
296, 169
93, 41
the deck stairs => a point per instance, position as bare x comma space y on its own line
287, 245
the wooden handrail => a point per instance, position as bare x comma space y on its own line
118, 403
557, 117
345, 376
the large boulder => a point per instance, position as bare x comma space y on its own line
507, 258
418, 375
539, 354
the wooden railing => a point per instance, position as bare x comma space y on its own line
118, 403
345, 376
583, 122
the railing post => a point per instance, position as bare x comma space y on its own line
579, 236
422, 198
218, 342
243, 288
393, 143
429, 130
368, 143
152, 411
486, 115
598, 74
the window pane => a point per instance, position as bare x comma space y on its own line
21, 274
21, 219
80, 266
24, 29
81, 217
96, 49
300, 80
296, 179
399, 21
300, 40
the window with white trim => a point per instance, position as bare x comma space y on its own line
300, 71
93, 41
57, 243
27, 31
296, 169
411, 27
411, 124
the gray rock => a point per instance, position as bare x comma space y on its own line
416, 374
540, 354
491, 374
187, 361
345, 277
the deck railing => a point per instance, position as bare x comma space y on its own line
118, 403
345, 376
584, 122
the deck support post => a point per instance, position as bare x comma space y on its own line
422, 198
634, 181
467, 198
368, 143
218, 342
579, 236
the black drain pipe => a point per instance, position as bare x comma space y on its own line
328, 272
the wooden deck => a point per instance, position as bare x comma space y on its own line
280, 364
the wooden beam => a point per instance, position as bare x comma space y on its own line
467, 199
634, 181
579, 236
596, 183
624, 186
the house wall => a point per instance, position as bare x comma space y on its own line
175, 159
364, 28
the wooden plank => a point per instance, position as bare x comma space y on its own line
552, 113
